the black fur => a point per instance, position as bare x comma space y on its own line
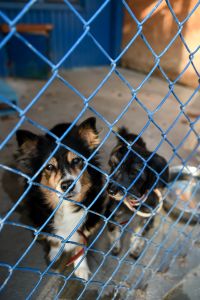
127, 173
133, 164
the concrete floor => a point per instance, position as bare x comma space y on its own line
61, 104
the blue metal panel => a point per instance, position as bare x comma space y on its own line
3, 59
106, 28
8, 97
28, 65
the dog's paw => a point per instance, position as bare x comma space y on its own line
116, 250
83, 272
137, 247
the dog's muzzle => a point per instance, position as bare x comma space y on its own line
68, 185
113, 190
129, 200
132, 203
116, 193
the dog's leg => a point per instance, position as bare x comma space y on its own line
54, 248
82, 270
137, 242
114, 234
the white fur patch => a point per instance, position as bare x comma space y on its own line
65, 220
114, 237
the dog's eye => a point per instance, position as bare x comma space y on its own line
76, 161
50, 167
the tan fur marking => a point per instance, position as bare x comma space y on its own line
71, 156
90, 136
53, 161
54, 243
51, 179
85, 186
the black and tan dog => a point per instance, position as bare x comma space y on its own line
57, 177
140, 182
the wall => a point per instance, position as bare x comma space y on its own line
159, 30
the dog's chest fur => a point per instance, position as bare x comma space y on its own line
66, 219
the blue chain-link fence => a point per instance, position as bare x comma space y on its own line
23, 114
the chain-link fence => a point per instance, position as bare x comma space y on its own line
171, 250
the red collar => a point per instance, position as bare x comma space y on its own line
79, 253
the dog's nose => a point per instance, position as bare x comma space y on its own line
112, 190
66, 184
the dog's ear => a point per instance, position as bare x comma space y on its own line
88, 132
26, 139
123, 132
140, 142
58, 130
157, 163
130, 137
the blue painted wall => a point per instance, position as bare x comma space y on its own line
106, 28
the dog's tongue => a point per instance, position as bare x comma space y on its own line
133, 202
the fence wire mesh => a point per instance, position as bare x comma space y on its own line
184, 232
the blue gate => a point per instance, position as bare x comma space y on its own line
66, 30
